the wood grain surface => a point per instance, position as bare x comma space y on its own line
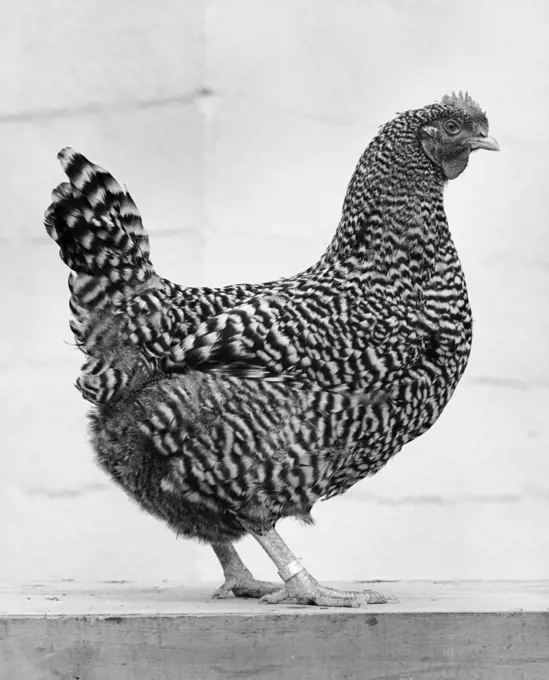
124, 631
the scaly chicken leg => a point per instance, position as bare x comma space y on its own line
238, 579
301, 586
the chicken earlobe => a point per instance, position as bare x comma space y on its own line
452, 164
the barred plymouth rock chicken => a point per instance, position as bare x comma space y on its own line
221, 411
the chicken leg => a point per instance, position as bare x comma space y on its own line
299, 585
238, 579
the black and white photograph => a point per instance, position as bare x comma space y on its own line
274, 349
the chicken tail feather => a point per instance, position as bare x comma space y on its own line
101, 237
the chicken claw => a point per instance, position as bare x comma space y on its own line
304, 589
245, 586
238, 578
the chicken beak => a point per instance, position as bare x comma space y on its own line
483, 142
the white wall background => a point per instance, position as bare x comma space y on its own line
236, 125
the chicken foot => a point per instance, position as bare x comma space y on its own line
300, 586
238, 579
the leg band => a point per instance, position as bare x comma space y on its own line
290, 569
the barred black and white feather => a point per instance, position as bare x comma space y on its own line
223, 410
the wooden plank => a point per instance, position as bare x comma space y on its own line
63, 598
438, 631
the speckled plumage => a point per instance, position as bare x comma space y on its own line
223, 410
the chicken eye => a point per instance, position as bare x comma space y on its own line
451, 126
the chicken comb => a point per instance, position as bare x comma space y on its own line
465, 102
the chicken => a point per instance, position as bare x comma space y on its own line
222, 411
